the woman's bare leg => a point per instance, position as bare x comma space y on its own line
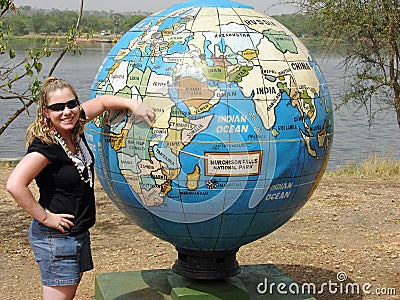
59, 292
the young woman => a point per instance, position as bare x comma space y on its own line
60, 161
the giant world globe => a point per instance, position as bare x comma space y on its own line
241, 138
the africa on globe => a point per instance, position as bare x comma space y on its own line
243, 129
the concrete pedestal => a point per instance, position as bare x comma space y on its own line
254, 282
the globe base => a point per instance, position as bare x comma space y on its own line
210, 265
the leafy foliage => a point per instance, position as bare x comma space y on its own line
369, 31
24, 71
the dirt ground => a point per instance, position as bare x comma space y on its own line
350, 227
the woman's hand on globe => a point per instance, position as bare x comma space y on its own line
145, 113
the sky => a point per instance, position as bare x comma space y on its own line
269, 7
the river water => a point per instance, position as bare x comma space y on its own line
354, 140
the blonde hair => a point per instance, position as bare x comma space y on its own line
41, 127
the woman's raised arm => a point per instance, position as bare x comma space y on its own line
98, 105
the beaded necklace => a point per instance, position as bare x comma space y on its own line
79, 159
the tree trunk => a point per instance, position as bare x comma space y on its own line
394, 79
397, 103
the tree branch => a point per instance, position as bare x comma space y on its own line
71, 42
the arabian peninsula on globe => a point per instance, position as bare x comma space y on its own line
243, 129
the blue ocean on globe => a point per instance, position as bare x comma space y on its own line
243, 128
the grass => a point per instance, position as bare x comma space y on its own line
375, 166
8, 163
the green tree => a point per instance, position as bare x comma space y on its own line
24, 71
369, 32
19, 26
37, 24
297, 23
129, 22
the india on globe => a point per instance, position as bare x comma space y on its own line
241, 139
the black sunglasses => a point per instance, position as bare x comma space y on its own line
61, 106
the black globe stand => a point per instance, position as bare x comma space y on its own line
209, 265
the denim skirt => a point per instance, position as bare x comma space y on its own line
61, 257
